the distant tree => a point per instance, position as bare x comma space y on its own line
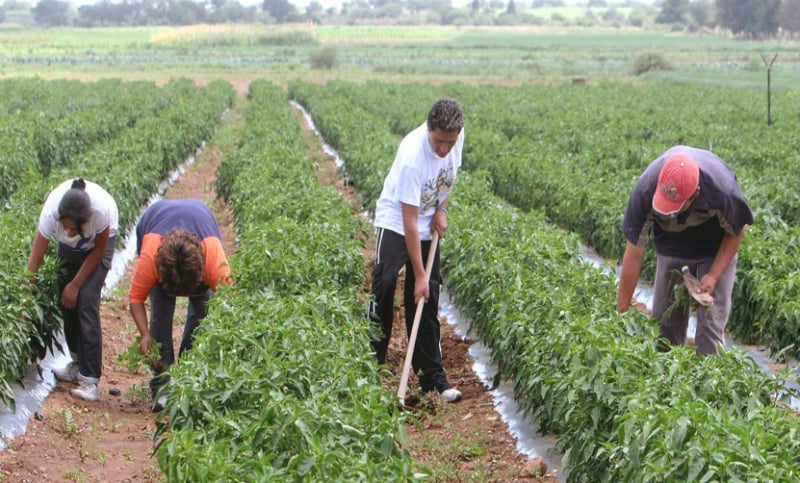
185, 12
93, 15
511, 8
751, 18
673, 11
637, 17
390, 10
612, 15
496, 4
2, 14
597, 3
507, 19
10, 5
314, 12
280, 10
417, 5
476, 7
790, 15
767, 20
231, 12
51, 13
702, 13
442, 7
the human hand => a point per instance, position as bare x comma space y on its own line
145, 343
69, 296
421, 290
439, 223
708, 283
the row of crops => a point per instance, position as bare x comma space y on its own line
44, 125
575, 153
150, 131
281, 384
623, 411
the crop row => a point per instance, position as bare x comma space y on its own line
131, 166
623, 411
575, 152
280, 383
45, 125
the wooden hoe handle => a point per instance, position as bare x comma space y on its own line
412, 339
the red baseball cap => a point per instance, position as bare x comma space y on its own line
677, 182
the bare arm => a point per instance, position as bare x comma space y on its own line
414, 247
439, 222
38, 249
727, 250
629, 275
139, 314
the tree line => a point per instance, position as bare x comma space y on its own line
745, 18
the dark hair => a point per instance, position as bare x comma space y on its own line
445, 114
75, 205
180, 262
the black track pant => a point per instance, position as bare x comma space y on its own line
391, 256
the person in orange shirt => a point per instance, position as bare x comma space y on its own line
180, 252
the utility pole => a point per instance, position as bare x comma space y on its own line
768, 65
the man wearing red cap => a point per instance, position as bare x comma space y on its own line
690, 201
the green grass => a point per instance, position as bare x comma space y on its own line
550, 54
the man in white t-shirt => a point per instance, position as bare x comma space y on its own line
83, 219
412, 206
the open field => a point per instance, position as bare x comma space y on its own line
476, 54
527, 137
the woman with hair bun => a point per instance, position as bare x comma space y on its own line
83, 218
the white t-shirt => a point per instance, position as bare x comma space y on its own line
418, 177
104, 215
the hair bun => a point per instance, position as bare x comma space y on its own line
78, 183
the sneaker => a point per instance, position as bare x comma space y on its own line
159, 405
451, 395
69, 373
86, 391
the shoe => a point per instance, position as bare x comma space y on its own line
69, 373
451, 395
159, 405
86, 391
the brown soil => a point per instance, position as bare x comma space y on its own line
111, 440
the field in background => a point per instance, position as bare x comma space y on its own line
508, 55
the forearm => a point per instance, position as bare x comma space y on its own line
91, 262
38, 250
413, 243
727, 251
414, 247
139, 315
629, 276
88, 266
